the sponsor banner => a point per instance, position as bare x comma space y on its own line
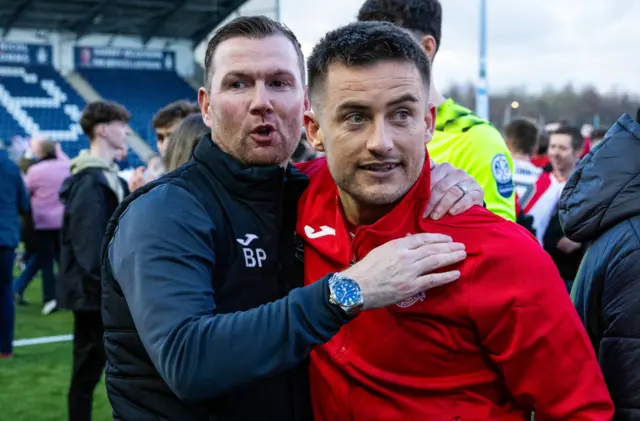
25, 54
123, 58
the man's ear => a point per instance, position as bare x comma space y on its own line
430, 46
314, 133
205, 106
99, 130
307, 102
429, 122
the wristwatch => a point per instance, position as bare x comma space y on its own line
345, 293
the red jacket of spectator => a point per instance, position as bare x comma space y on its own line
500, 341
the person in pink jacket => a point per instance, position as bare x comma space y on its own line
43, 180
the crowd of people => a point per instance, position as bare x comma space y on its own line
295, 252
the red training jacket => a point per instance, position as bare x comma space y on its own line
500, 341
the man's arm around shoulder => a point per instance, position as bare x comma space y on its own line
533, 334
162, 258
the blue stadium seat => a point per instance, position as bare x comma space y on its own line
37, 99
143, 93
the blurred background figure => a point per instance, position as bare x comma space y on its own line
600, 206
304, 152
90, 195
167, 119
540, 158
596, 136
14, 201
165, 122
43, 181
183, 140
155, 168
565, 149
521, 135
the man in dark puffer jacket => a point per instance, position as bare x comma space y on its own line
600, 205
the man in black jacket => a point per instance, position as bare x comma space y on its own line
600, 206
204, 313
90, 195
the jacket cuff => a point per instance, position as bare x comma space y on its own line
329, 316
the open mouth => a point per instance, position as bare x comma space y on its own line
265, 130
381, 167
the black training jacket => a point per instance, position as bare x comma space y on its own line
195, 268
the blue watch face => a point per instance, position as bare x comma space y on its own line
346, 292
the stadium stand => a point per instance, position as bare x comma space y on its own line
143, 93
36, 99
135, 52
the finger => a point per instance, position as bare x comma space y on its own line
416, 240
433, 280
450, 199
429, 208
438, 172
478, 197
445, 194
464, 204
427, 250
438, 261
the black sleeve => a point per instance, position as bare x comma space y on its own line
552, 235
161, 256
620, 345
23, 195
86, 223
526, 221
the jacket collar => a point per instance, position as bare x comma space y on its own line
253, 183
322, 224
405, 214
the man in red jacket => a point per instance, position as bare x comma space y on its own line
498, 344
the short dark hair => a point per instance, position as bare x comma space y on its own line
543, 142
598, 133
99, 112
577, 140
523, 134
177, 110
363, 44
421, 17
255, 27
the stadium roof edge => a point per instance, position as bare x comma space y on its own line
174, 19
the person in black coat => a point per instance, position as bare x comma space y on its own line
600, 206
90, 195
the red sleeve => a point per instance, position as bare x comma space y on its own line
532, 332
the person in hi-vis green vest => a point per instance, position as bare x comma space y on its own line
461, 138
